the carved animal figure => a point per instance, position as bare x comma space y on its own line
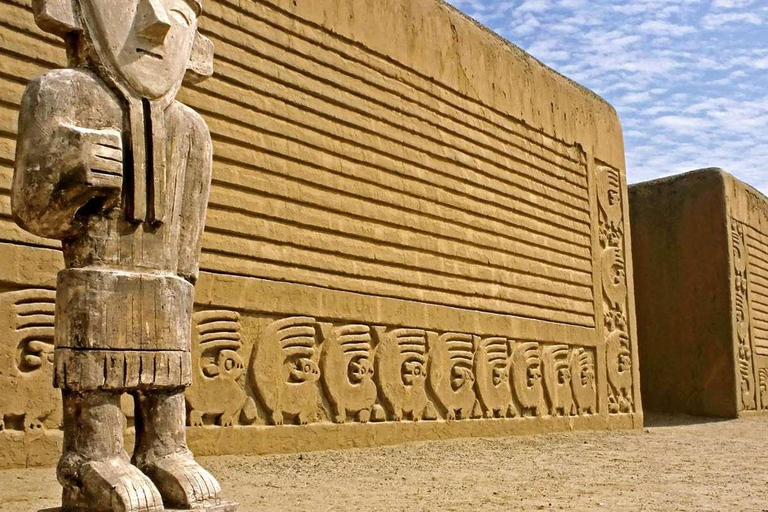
619, 366
526, 377
763, 376
450, 374
583, 381
347, 370
492, 362
217, 370
557, 380
401, 372
284, 371
26, 359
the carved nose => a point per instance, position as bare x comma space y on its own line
153, 21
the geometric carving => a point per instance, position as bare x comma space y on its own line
763, 377
492, 368
217, 370
26, 359
583, 380
614, 290
346, 366
527, 377
450, 376
284, 369
401, 372
557, 380
747, 391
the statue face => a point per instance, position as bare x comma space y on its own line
147, 43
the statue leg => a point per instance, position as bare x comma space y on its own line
162, 453
94, 469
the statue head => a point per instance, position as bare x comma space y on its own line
145, 46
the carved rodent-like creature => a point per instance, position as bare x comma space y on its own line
347, 370
583, 381
450, 374
526, 377
284, 370
557, 380
217, 370
492, 361
26, 359
401, 372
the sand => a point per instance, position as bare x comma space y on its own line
675, 463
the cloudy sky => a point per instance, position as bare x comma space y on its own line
689, 78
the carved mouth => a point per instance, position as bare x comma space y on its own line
149, 53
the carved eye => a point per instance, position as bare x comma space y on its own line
307, 368
229, 364
182, 17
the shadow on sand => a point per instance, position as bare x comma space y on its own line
654, 419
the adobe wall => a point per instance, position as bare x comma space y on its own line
700, 243
416, 231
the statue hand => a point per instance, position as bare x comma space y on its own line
103, 153
101, 163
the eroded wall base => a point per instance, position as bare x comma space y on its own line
18, 449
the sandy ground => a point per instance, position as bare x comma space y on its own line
675, 463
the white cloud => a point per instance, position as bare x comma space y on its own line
730, 18
689, 78
664, 28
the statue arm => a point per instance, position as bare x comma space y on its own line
196, 191
63, 171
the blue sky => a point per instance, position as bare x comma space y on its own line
689, 78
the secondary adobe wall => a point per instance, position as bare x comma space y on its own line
700, 242
410, 219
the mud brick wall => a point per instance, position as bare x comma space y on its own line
701, 247
415, 231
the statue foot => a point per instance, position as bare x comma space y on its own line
182, 482
112, 485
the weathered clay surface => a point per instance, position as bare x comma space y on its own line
701, 243
415, 231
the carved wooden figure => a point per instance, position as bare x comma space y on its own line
108, 162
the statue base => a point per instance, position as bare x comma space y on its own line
228, 506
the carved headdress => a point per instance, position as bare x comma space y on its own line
145, 168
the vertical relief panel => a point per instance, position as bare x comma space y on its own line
746, 391
613, 273
750, 256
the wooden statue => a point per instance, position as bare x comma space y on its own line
112, 165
